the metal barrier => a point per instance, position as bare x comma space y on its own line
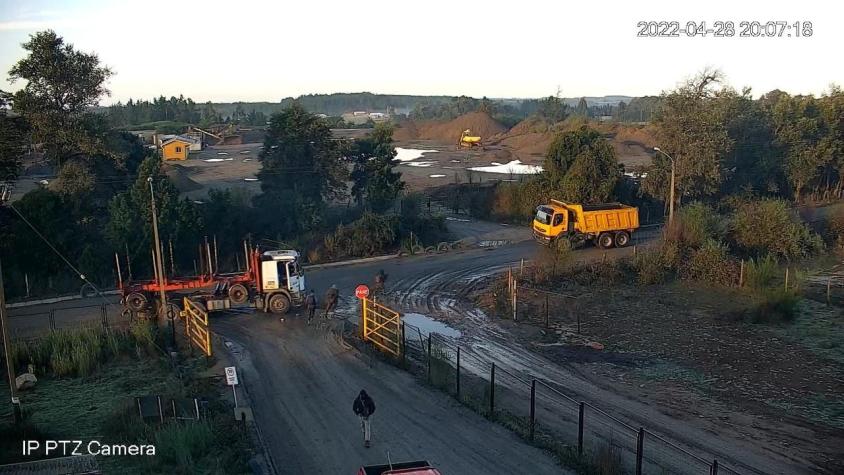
541, 410
29, 325
382, 327
196, 325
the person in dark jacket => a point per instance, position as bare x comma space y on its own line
364, 407
330, 300
310, 305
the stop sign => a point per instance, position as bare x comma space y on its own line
361, 291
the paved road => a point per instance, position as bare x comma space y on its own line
302, 385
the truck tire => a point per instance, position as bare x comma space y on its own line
605, 240
238, 293
278, 304
137, 301
622, 239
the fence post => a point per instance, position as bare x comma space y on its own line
741, 274
639, 449
429, 358
403, 345
714, 469
580, 429
546, 312
515, 302
786, 278
532, 408
52, 320
522, 267
492, 392
104, 316
458, 373
828, 289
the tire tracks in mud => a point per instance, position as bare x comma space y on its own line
445, 296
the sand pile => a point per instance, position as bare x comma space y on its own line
449, 132
178, 175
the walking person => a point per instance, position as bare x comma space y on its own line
330, 300
364, 407
310, 305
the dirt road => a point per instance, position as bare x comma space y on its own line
302, 385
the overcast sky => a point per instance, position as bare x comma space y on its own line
251, 50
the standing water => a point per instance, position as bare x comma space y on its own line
427, 325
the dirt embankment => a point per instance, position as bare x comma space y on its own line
529, 139
479, 123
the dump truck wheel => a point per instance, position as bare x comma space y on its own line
137, 301
279, 303
238, 293
622, 239
605, 240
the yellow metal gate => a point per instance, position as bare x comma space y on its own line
381, 327
196, 325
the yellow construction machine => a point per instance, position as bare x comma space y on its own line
467, 140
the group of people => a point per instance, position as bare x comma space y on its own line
331, 296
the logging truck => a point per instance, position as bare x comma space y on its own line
273, 282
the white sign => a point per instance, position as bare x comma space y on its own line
231, 376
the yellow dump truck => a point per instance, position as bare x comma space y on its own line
606, 224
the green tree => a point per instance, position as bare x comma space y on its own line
553, 109
301, 171
13, 131
62, 84
582, 108
800, 130
582, 166
130, 217
376, 184
691, 130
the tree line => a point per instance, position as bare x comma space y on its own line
99, 203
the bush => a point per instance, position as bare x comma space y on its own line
654, 266
770, 226
369, 235
760, 272
695, 224
711, 263
776, 305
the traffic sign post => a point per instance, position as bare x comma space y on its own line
231, 380
362, 292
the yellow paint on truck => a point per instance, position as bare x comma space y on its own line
607, 224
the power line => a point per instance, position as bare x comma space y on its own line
56, 251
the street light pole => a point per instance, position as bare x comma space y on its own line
159, 264
671, 192
7, 347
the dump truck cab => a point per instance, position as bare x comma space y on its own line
550, 222
605, 224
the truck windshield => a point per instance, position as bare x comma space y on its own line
543, 215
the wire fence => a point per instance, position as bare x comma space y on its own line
543, 413
35, 324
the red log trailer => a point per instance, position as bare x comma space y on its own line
273, 281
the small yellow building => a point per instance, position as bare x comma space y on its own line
175, 148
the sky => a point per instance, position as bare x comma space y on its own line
253, 50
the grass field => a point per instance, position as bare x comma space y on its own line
102, 407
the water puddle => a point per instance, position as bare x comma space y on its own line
427, 325
408, 154
515, 167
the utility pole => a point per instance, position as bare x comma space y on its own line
7, 347
671, 191
159, 265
